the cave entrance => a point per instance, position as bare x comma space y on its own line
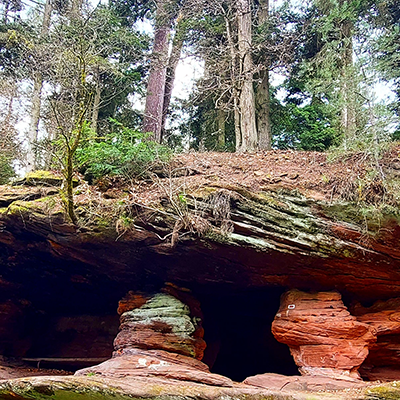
65, 323
238, 334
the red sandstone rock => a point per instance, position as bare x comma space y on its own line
384, 316
147, 338
161, 364
383, 360
309, 383
162, 322
321, 333
131, 301
159, 338
186, 297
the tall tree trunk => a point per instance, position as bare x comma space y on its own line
221, 130
263, 101
153, 114
34, 122
348, 112
246, 100
13, 93
173, 61
263, 105
234, 83
96, 101
36, 97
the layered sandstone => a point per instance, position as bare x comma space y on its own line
135, 363
160, 337
307, 383
323, 337
162, 322
382, 362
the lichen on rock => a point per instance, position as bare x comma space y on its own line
163, 322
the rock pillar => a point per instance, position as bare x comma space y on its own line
159, 322
323, 337
383, 361
161, 337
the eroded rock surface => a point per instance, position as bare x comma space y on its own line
164, 323
160, 336
156, 363
382, 362
308, 383
323, 337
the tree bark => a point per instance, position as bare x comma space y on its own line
34, 123
96, 101
246, 100
263, 101
153, 115
221, 130
173, 61
263, 111
235, 90
348, 112
36, 98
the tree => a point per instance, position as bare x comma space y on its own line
9, 146
386, 48
324, 74
248, 129
37, 77
263, 102
85, 49
240, 43
153, 114
171, 15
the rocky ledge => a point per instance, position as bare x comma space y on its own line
219, 279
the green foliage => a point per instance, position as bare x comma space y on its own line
387, 50
6, 169
201, 125
306, 128
124, 152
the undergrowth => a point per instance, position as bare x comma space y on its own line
125, 152
372, 186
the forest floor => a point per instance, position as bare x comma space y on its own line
321, 176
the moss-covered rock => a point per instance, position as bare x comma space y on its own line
387, 392
43, 178
94, 388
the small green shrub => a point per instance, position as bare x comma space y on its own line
125, 152
6, 169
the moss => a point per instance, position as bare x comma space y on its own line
365, 217
391, 392
40, 206
41, 174
18, 208
42, 178
216, 236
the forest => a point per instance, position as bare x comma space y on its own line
277, 75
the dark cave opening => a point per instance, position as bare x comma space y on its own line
69, 311
238, 334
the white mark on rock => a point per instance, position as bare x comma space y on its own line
291, 306
158, 366
142, 362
